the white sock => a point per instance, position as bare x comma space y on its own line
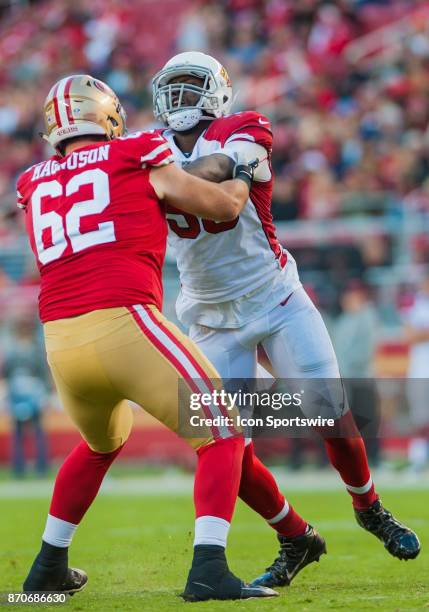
211, 530
58, 532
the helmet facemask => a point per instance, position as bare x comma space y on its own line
168, 97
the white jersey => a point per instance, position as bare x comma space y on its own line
230, 271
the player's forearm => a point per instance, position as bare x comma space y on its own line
217, 202
235, 196
215, 168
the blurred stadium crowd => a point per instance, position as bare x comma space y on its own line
344, 82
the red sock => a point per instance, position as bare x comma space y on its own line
347, 454
217, 478
259, 490
78, 482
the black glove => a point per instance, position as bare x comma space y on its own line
245, 172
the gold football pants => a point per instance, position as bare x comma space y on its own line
105, 357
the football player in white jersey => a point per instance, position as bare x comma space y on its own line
240, 288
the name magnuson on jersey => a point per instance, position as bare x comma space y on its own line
221, 261
96, 226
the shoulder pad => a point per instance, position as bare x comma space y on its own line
255, 125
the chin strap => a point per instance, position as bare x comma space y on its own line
43, 136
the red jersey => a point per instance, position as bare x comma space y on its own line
96, 226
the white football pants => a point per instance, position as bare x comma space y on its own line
296, 342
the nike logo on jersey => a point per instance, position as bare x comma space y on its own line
262, 122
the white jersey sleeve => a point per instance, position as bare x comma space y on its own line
245, 151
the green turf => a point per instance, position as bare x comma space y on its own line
137, 552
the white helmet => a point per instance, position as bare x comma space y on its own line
215, 92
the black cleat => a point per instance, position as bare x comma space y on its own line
294, 555
73, 581
398, 539
50, 572
210, 578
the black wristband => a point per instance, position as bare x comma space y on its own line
244, 173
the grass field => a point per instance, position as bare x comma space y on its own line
137, 549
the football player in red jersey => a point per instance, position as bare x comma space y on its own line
240, 288
96, 223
